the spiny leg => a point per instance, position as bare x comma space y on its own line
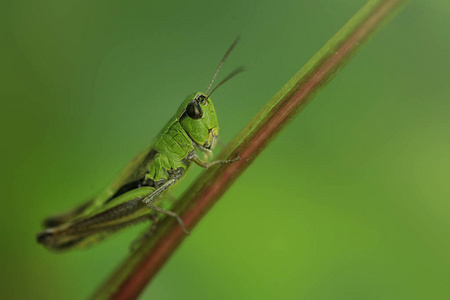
172, 214
205, 164
148, 200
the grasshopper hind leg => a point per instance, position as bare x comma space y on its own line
85, 231
45, 237
62, 240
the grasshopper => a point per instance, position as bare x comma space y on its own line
135, 194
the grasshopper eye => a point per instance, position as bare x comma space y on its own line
194, 110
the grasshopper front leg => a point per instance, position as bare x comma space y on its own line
206, 164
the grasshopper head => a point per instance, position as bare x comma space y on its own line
197, 115
198, 118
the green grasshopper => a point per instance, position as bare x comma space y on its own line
134, 195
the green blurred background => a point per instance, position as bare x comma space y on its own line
351, 201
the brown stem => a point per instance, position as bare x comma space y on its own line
135, 273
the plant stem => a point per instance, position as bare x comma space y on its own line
140, 267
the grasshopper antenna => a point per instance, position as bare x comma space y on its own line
221, 63
231, 75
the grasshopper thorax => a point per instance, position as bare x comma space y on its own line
198, 118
